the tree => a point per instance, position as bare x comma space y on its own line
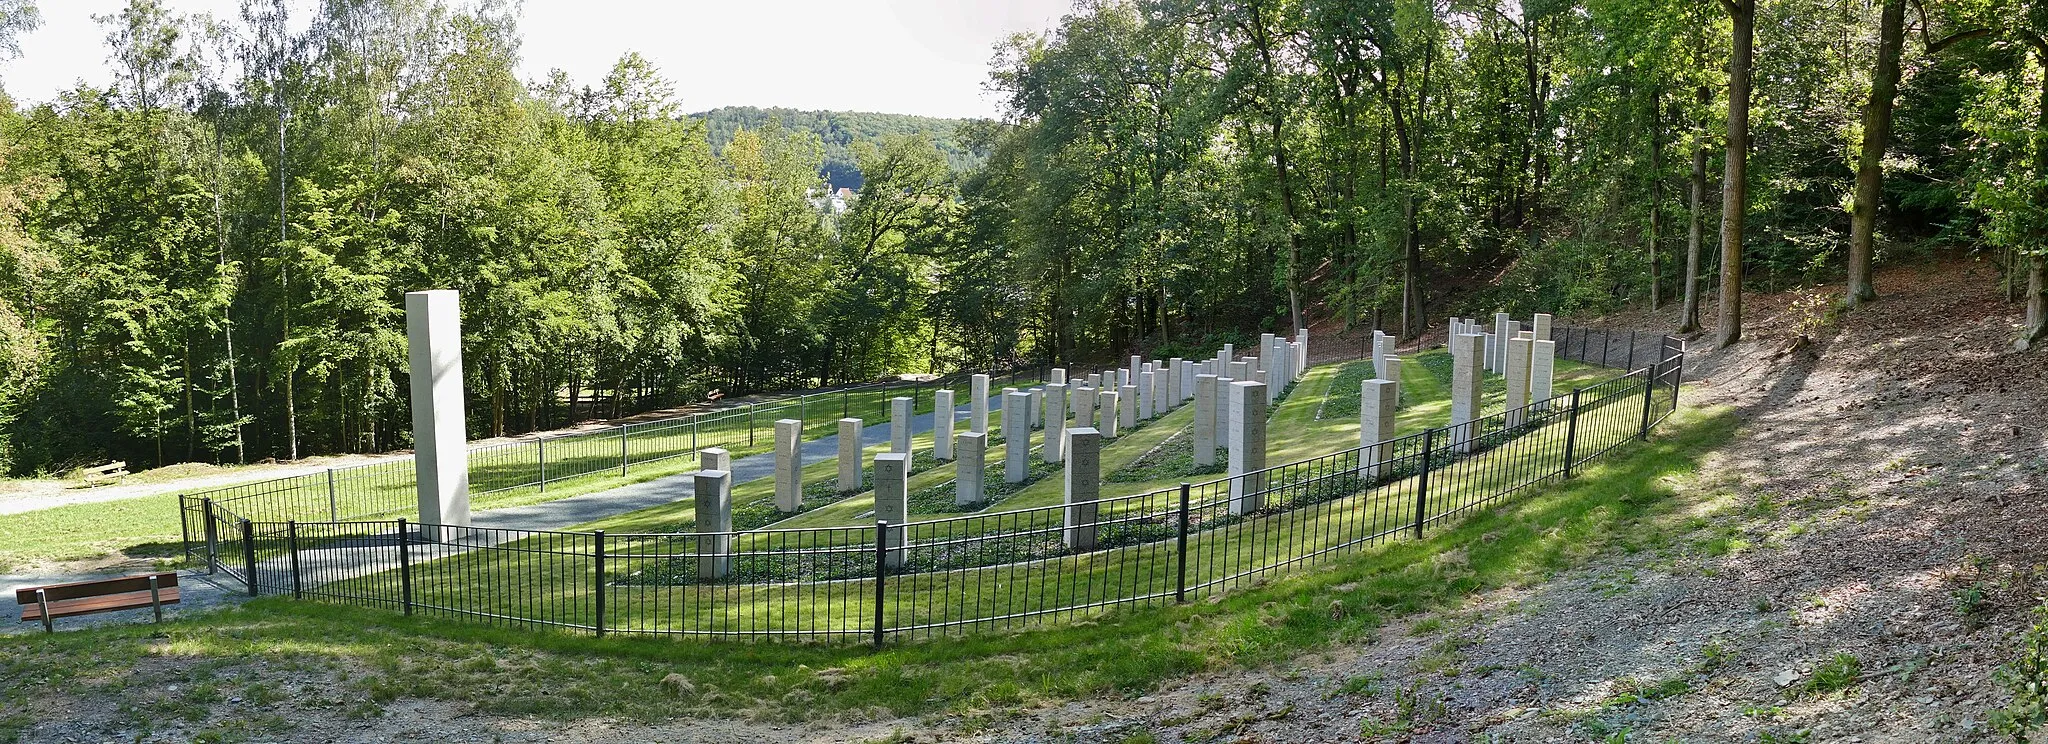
17, 17
1734, 185
1695, 219
1877, 130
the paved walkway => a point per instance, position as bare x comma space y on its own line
197, 592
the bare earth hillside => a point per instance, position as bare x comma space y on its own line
1882, 499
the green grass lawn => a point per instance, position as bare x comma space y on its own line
1635, 500
145, 527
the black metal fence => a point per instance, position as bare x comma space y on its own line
1611, 348
977, 571
388, 488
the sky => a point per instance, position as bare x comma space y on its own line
927, 57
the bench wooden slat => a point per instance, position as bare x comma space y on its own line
139, 582
102, 603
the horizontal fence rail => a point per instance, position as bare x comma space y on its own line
956, 574
387, 489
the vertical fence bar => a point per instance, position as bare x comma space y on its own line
750, 424
1422, 482
1649, 386
404, 567
212, 537
881, 574
291, 545
1631, 350
1677, 377
1571, 436
693, 433
1180, 564
625, 450
249, 554
598, 588
333, 513
184, 529
542, 445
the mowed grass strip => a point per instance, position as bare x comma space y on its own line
360, 660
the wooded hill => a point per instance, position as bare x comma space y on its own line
838, 131
207, 259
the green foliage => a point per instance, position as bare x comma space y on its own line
2025, 679
843, 133
1838, 673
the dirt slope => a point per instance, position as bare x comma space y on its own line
1884, 497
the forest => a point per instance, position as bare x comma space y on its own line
837, 131
205, 261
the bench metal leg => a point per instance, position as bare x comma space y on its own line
156, 603
43, 604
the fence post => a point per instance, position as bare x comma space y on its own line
750, 424
542, 445
249, 555
1649, 387
1631, 350
1422, 482
1571, 436
1677, 378
1180, 564
598, 555
333, 513
184, 528
291, 545
212, 537
1606, 340
881, 573
625, 449
404, 567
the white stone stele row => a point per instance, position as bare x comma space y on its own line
1528, 359
1147, 390
434, 351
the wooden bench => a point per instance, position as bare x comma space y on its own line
111, 472
46, 603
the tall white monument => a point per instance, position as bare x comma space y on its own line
433, 334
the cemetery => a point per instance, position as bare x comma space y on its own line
876, 541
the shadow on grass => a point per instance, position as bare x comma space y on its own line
1619, 504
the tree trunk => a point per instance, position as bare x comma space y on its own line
2037, 263
2037, 303
1696, 217
1656, 195
1877, 129
1735, 186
